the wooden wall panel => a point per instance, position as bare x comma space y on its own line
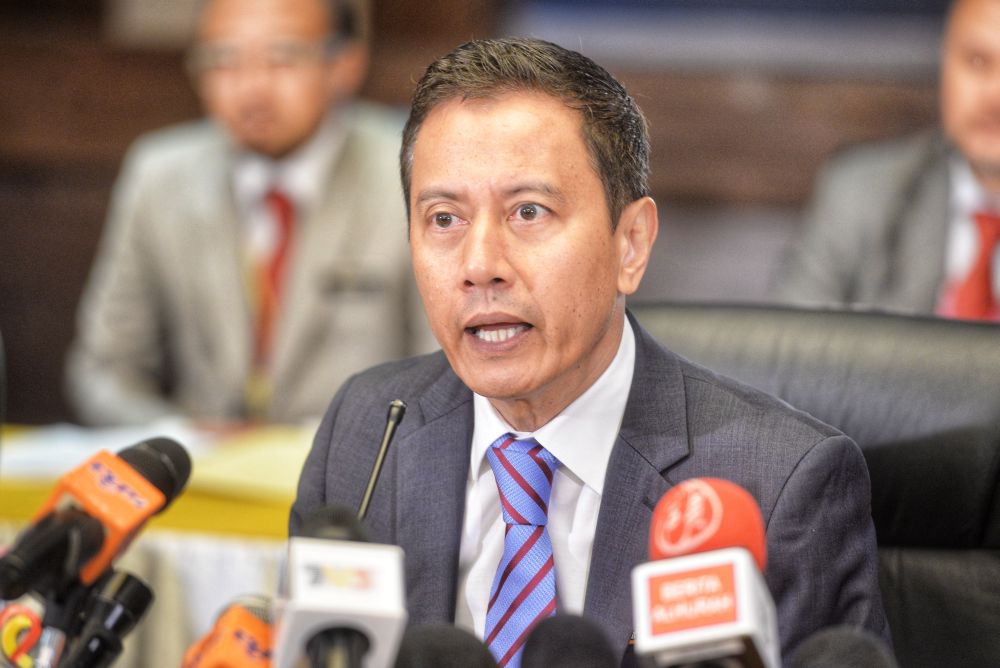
71, 105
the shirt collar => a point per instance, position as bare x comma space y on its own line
967, 194
582, 436
302, 174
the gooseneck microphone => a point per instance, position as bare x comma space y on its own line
344, 604
397, 409
114, 613
703, 600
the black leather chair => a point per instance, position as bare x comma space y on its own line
921, 396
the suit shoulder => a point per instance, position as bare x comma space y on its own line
176, 147
889, 160
377, 124
406, 379
715, 398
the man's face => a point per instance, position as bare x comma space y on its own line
970, 83
519, 270
263, 70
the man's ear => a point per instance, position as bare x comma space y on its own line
635, 235
348, 69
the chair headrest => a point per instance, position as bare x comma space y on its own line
920, 396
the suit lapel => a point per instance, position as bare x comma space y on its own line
653, 438
320, 245
914, 275
433, 466
217, 268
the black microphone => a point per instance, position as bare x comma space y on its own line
842, 647
91, 516
114, 613
397, 409
568, 641
442, 646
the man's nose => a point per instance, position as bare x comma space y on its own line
484, 258
254, 78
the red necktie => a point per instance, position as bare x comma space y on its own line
974, 298
270, 272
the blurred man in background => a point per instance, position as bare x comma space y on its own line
913, 224
253, 260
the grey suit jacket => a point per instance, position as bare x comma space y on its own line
875, 231
681, 421
166, 304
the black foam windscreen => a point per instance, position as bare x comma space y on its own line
842, 647
334, 523
163, 462
442, 646
568, 641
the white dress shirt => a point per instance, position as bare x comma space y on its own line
302, 176
967, 197
581, 438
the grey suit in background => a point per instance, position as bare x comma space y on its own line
166, 302
876, 230
681, 421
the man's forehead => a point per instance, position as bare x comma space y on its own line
231, 18
529, 125
500, 99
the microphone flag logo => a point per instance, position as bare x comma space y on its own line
106, 480
692, 516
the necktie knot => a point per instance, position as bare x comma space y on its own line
973, 296
523, 470
283, 210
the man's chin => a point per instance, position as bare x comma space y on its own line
987, 170
502, 385
264, 144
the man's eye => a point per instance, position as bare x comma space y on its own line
530, 211
443, 220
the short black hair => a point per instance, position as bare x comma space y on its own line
614, 128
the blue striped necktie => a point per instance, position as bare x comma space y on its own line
524, 588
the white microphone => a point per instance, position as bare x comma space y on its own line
703, 598
345, 602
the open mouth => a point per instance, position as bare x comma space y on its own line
497, 333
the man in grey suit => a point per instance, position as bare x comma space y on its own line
893, 224
525, 169
251, 261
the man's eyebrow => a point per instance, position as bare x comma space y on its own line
435, 194
535, 187
516, 189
